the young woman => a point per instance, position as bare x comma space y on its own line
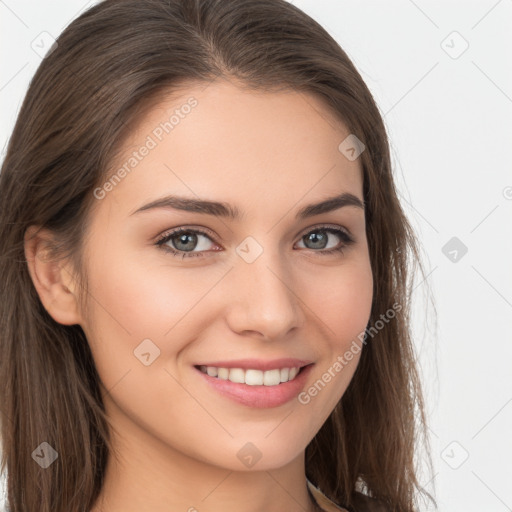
205, 272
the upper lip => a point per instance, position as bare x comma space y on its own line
259, 364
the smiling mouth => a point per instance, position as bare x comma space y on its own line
252, 377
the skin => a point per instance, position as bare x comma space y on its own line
269, 154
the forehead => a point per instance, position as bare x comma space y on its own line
225, 142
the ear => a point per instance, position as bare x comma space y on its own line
53, 280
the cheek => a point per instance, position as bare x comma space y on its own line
342, 299
137, 299
143, 296
343, 306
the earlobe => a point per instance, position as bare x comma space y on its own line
52, 279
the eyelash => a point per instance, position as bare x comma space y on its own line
166, 237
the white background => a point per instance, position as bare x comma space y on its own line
448, 114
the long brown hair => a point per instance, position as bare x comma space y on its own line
85, 96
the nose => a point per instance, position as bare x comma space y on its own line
262, 299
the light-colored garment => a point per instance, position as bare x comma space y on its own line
323, 501
363, 503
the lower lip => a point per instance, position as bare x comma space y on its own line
260, 396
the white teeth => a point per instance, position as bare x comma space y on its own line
272, 378
223, 373
237, 375
252, 377
212, 371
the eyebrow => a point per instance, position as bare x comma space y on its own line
225, 210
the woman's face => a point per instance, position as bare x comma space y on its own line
256, 291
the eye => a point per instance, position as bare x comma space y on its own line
321, 238
183, 241
187, 242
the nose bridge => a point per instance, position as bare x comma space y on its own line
262, 296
